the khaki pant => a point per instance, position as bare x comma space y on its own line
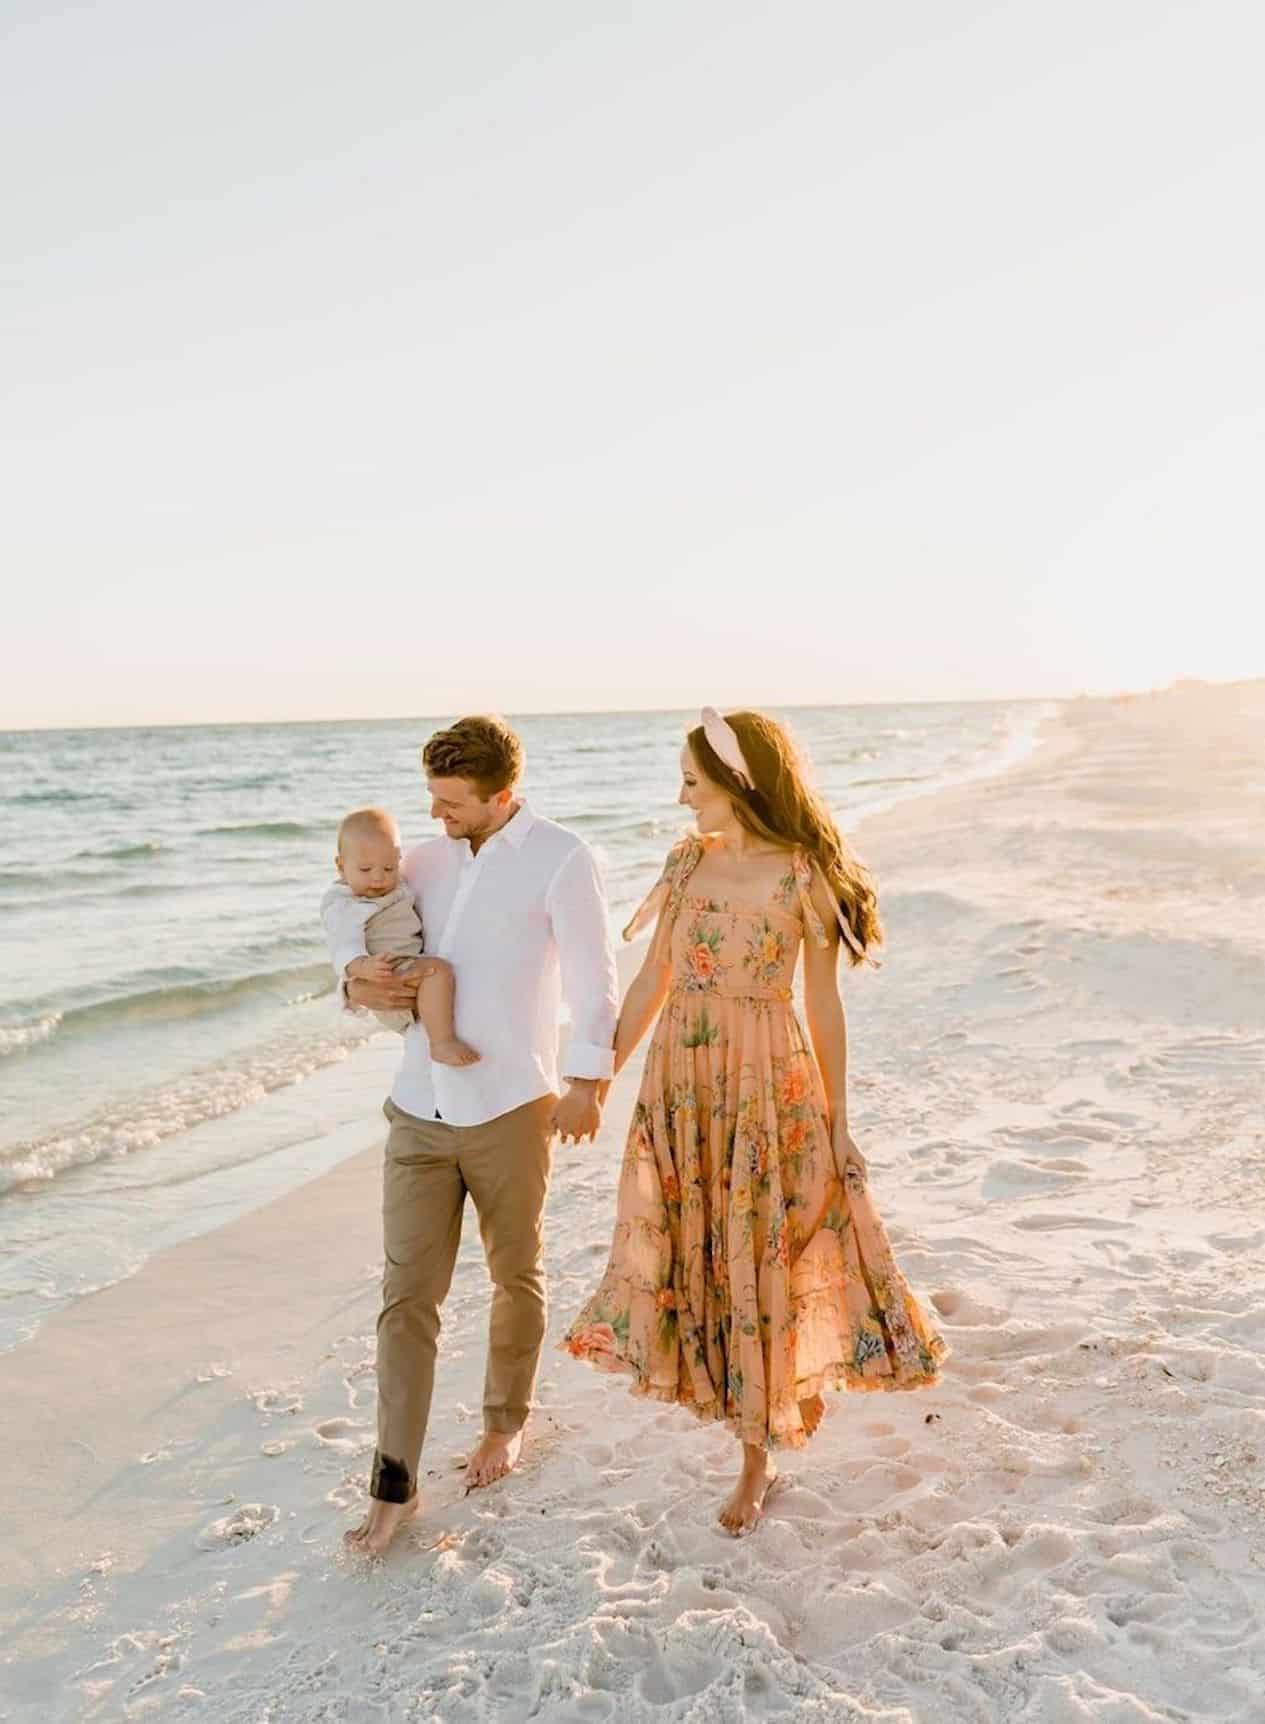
429, 1168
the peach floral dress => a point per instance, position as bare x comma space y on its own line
743, 1276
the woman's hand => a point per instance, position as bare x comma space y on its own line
578, 1113
850, 1164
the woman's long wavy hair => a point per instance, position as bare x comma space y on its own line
783, 808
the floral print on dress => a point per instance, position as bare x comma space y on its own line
704, 966
765, 956
744, 1275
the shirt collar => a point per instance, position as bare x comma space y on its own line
513, 832
518, 826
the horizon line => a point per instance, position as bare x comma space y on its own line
1114, 693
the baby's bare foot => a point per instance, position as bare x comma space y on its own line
451, 1052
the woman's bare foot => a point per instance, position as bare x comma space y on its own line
379, 1526
496, 1455
812, 1411
451, 1052
744, 1508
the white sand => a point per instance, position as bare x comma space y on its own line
1058, 1077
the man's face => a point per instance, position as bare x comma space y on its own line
465, 812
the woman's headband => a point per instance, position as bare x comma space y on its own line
722, 738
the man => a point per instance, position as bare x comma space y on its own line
514, 902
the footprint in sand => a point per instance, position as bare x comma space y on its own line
1124, 1511
1236, 1242
165, 1451
211, 1373
1045, 1140
1045, 1223
958, 1307
883, 1479
1086, 1115
945, 1163
1019, 1178
1125, 1259
1031, 1555
275, 1401
249, 1520
341, 1434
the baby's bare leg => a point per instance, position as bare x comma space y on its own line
435, 994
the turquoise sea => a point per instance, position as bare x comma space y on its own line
169, 1050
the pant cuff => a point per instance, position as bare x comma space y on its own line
390, 1481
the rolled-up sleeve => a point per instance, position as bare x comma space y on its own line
577, 912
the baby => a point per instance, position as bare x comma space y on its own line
369, 909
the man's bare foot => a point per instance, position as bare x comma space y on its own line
496, 1455
744, 1508
379, 1526
812, 1411
451, 1052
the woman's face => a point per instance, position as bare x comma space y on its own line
710, 804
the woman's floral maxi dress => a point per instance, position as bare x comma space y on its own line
743, 1276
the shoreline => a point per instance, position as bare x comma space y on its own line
238, 1152
1044, 1068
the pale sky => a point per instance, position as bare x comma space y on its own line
409, 358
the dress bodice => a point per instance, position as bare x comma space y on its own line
720, 945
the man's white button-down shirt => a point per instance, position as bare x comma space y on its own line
524, 925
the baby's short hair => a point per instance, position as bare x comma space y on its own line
368, 823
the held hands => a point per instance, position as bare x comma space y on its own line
850, 1164
578, 1113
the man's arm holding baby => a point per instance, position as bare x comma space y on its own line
362, 981
386, 992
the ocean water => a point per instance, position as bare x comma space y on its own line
164, 986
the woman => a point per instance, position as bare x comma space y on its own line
749, 1270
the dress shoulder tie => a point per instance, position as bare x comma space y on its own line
666, 894
807, 869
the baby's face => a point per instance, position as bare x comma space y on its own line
370, 864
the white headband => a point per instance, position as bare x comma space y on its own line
723, 740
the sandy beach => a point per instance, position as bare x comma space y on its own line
1058, 1079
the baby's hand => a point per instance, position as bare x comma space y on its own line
378, 969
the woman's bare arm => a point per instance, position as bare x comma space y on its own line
823, 1007
828, 1027
646, 994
